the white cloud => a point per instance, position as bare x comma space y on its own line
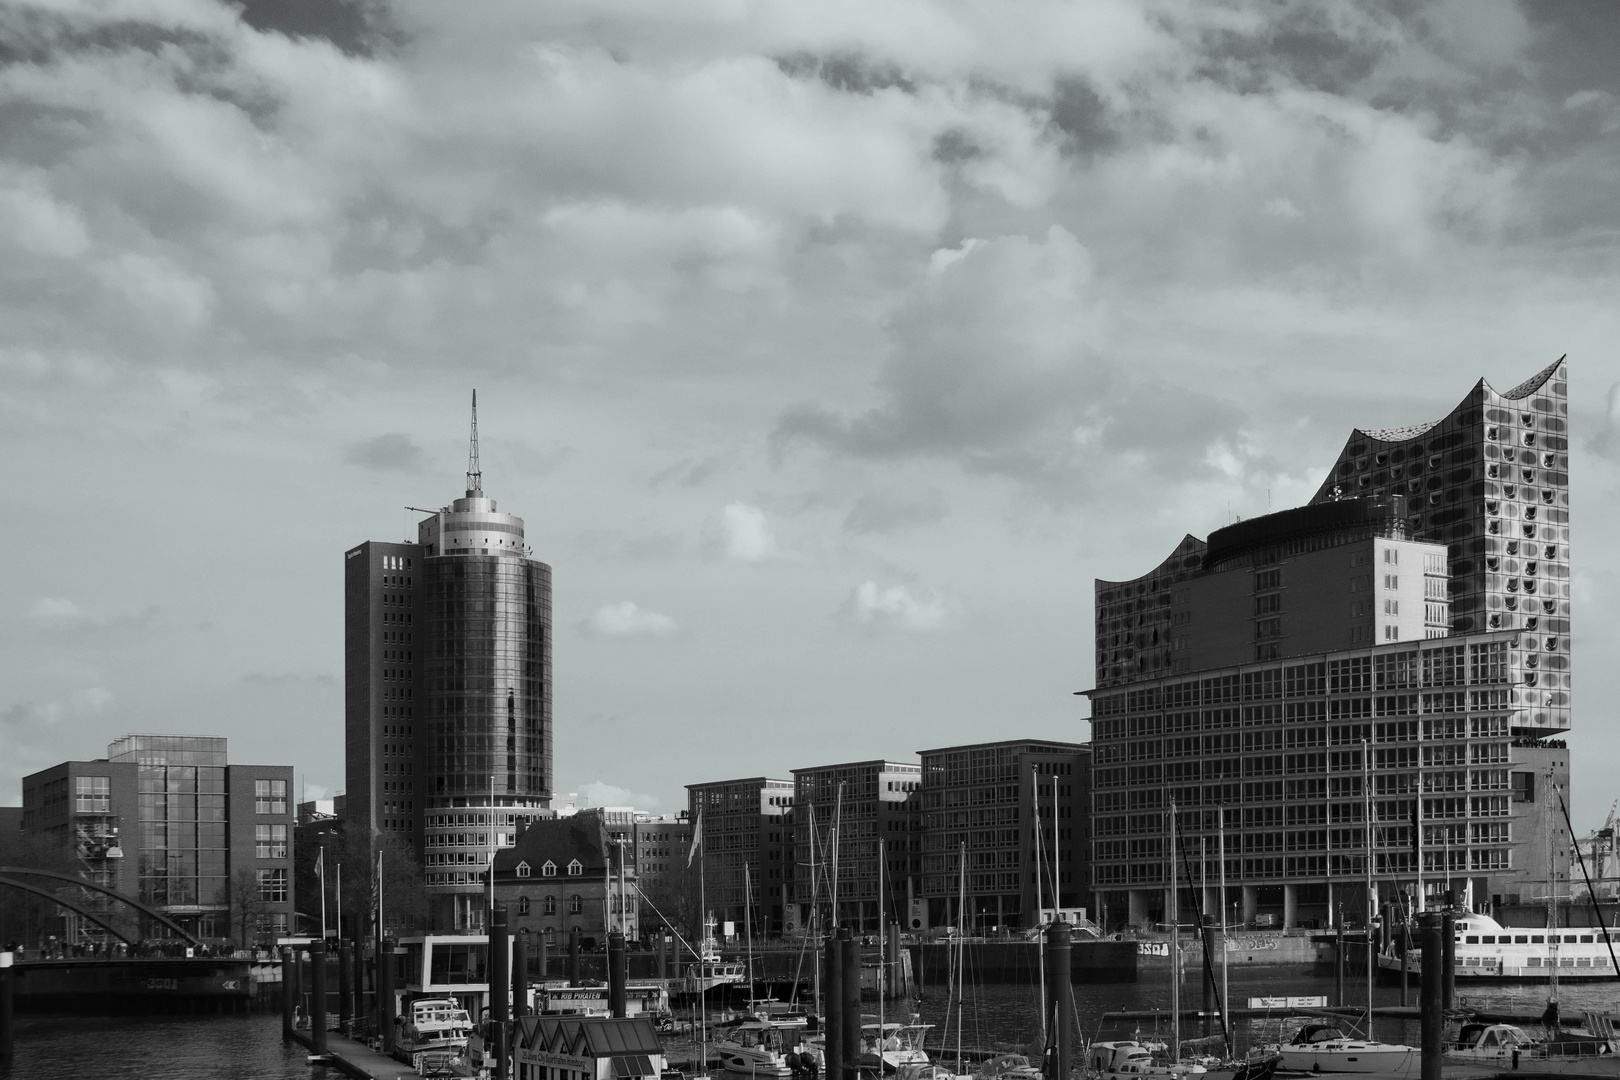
629, 619
748, 537
895, 608
56, 613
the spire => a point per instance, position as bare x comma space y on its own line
475, 477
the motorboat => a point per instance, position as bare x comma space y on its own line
899, 1045
1325, 1048
758, 1048
1486, 950
1510, 1049
1008, 1067
1126, 1059
432, 1023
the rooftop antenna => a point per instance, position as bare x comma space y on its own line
475, 477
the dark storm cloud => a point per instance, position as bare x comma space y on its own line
358, 27
393, 452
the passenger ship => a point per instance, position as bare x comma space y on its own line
1488, 951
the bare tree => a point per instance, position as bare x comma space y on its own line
246, 903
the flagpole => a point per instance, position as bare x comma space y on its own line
339, 900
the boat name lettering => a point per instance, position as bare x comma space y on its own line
162, 984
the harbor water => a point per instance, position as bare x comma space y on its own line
250, 1047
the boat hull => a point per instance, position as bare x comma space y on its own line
1532, 1063
1395, 1060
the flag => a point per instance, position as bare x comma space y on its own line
697, 839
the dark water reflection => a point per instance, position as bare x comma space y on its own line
993, 1017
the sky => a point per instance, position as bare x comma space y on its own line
829, 351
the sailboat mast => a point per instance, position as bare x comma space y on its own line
961, 943
883, 971
1175, 945
703, 956
1220, 851
748, 927
1057, 889
1372, 907
834, 865
815, 917
1040, 903
1552, 893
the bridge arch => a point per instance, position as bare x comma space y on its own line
70, 905
83, 884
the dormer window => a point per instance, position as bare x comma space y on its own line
575, 868
549, 869
523, 869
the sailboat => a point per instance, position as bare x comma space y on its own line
1322, 1047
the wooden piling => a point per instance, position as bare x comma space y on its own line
1432, 927
317, 997
499, 987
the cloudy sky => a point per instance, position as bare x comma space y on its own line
828, 350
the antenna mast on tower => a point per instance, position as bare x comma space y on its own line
475, 477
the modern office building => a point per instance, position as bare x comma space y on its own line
167, 820
840, 814
1003, 826
746, 836
1391, 656
448, 692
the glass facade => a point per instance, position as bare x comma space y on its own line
485, 694
183, 842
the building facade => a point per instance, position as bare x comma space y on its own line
840, 814
1377, 671
167, 820
1003, 829
562, 874
746, 845
448, 692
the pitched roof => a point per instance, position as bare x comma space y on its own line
561, 840
589, 1036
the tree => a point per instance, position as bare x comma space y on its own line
405, 902
246, 904
676, 894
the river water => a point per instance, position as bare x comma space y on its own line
993, 1017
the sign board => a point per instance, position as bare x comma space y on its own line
917, 914
1315, 1002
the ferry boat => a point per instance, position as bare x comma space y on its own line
649, 999
427, 1024
1506, 1048
712, 973
1489, 951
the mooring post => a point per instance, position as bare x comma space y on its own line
893, 971
1448, 985
832, 1004
317, 997
573, 956
852, 1004
8, 1004
345, 989
500, 984
1059, 940
287, 990
662, 949
299, 1009
541, 957
618, 972
1432, 927
520, 973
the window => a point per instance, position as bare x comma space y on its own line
269, 796
273, 886
576, 904
548, 906
270, 841
523, 871
1392, 581
549, 869
575, 869
92, 794
523, 905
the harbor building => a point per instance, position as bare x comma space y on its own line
447, 656
564, 874
659, 846
166, 819
1392, 656
996, 832
746, 824
840, 814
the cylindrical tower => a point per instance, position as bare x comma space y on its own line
485, 696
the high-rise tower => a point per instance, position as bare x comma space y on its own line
449, 691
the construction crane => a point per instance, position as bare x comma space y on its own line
1603, 853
